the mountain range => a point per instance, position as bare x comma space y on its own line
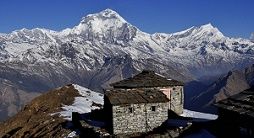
232, 83
104, 48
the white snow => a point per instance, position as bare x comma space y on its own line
72, 134
83, 103
198, 115
99, 24
184, 31
17, 49
160, 75
107, 34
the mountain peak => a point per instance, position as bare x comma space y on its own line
209, 25
105, 25
104, 15
210, 30
206, 30
108, 11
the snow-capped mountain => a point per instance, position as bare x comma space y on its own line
105, 48
107, 34
209, 51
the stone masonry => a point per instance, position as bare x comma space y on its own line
177, 100
173, 89
142, 119
141, 103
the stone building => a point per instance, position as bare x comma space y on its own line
150, 80
135, 110
141, 103
236, 114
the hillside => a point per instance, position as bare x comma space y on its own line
233, 83
13, 98
42, 117
50, 115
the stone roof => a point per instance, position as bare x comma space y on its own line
146, 79
135, 96
242, 103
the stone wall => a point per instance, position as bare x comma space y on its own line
142, 119
157, 117
177, 99
176, 96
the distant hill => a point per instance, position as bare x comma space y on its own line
233, 83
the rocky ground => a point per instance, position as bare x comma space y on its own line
35, 119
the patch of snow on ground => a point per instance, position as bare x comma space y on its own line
194, 114
82, 104
72, 134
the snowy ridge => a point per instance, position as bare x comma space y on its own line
82, 104
199, 115
107, 34
207, 29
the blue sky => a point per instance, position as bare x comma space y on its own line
234, 18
